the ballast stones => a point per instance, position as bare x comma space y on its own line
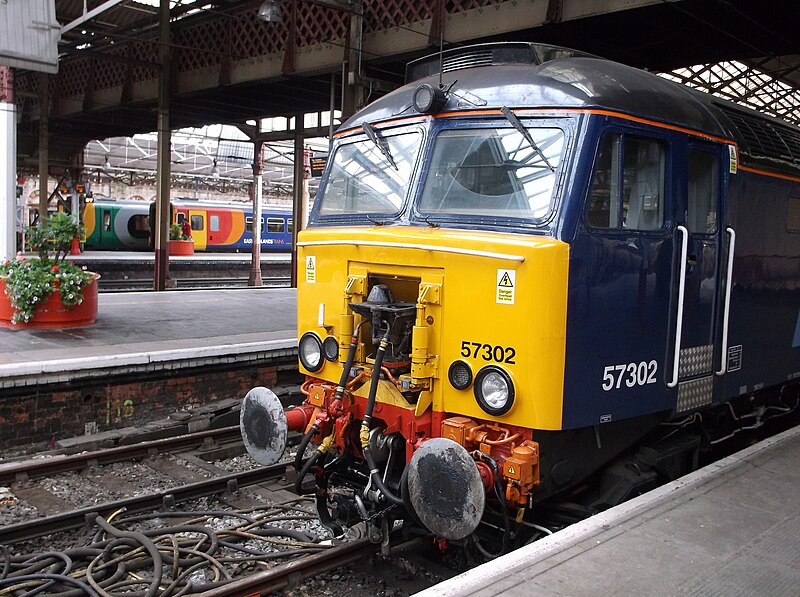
263, 425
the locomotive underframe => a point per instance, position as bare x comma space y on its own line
625, 459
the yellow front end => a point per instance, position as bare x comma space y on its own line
485, 298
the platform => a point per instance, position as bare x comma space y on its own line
154, 330
729, 529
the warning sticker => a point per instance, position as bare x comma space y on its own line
506, 283
311, 269
733, 159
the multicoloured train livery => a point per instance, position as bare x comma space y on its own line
125, 224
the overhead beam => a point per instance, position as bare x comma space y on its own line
87, 16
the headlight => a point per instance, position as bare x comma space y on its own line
310, 351
330, 346
494, 390
460, 375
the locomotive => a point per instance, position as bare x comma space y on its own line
125, 224
526, 268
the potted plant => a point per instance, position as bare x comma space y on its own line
180, 240
48, 291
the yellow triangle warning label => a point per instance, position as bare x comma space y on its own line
505, 281
311, 269
511, 470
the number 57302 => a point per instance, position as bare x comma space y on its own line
629, 374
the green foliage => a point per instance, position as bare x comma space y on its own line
176, 233
29, 282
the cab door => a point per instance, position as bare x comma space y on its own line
197, 219
701, 273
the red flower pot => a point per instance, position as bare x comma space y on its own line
181, 248
52, 314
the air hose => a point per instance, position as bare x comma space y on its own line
365, 423
498, 490
301, 450
324, 447
348, 364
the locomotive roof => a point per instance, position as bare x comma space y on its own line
566, 79
189, 202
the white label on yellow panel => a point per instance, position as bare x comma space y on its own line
311, 269
506, 284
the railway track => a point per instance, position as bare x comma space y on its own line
83, 532
43, 467
140, 284
166, 499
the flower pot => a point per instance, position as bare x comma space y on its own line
181, 247
52, 314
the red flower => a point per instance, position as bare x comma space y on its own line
55, 268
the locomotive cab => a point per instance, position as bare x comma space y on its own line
503, 288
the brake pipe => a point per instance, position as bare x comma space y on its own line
366, 422
328, 444
348, 363
351, 355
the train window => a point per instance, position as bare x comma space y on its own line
701, 216
289, 225
637, 203
106, 221
180, 218
643, 192
198, 223
604, 198
248, 224
139, 226
493, 172
370, 177
213, 223
275, 225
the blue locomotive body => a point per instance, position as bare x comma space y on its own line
571, 267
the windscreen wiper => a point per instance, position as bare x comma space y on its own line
380, 143
512, 118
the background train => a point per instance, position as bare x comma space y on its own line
125, 224
531, 269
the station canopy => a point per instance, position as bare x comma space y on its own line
771, 86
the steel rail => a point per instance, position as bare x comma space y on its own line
270, 581
75, 519
31, 469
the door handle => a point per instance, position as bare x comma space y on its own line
681, 291
727, 305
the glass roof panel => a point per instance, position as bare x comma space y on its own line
744, 84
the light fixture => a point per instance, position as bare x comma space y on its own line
310, 352
107, 164
494, 390
215, 170
460, 375
270, 12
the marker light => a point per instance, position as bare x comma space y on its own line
310, 351
494, 390
428, 99
330, 346
460, 375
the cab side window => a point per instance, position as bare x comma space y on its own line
701, 215
628, 184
